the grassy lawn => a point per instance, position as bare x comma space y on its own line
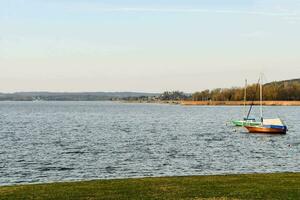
255, 186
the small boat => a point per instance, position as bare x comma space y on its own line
269, 126
246, 122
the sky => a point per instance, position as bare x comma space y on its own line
143, 45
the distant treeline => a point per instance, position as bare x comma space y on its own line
174, 95
275, 91
166, 96
288, 90
282, 91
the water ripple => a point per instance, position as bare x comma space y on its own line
60, 141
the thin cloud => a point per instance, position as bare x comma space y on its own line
256, 35
296, 18
186, 10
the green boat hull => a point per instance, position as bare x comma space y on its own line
245, 123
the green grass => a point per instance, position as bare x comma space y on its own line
254, 186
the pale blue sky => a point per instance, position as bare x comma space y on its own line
152, 46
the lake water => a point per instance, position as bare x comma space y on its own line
64, 141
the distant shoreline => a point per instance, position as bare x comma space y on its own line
240, 103
220, 103
183, 103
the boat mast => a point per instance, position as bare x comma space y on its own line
245, 97
261, 98
254, 97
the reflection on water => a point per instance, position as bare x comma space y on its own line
58, 141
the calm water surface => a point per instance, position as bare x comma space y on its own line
62, 141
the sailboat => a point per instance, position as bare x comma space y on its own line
269, 126
247, 121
